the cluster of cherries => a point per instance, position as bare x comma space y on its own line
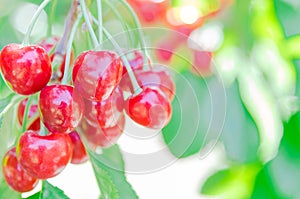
91, 107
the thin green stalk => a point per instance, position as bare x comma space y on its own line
43, 130
100, 21
88, 23
69, 49
50, 18
139, 29
25, 117
33, 22
137, 89
120, 19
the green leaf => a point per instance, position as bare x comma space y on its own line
235, 182
4, 90
6, 192
288, 15
5, 102
280, 177
240, 134
49, 192
109, 171
198, 113
34, 196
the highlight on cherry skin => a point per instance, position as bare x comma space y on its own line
44, 157
15, 176
96, 74
61, 108
26, 69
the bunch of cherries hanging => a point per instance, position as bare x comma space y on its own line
64, 113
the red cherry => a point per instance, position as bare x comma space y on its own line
96, 74
33, 112
107, 112
102, 137
27, 69
44, 156
202, 63
136, 61
14, 175
49, 44
157, 77
61, 108
79, 154
150, 108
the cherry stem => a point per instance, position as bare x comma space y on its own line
139, 29
69, 49
25, 116
100, 21
137, 89
88, 23
121, 20
50, 19
33, 22
43, 130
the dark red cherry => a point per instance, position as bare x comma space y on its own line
33, 113
79, 154
61, 108
17, 179
96, 74
107, 112
150, 108
44, 157
102, 137
27, 69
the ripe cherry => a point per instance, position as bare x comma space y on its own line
61, 108
136, 61
102, 137
107, 112
18, 179
27, 69
33, 113
44, 156
157, 77
79, 154
150, 108
96, 74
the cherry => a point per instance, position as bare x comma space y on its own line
44, 157
27, 69
33, 112
14, 175
49, 44
149, 108
61, 108
107, 112
136, 61
157, 77
202, 63
102, 137
79, 154
96, 74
